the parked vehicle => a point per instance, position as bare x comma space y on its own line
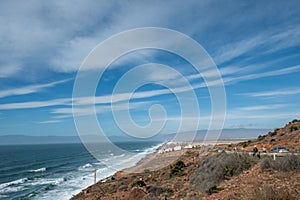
279, 150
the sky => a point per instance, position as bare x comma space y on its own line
255, 45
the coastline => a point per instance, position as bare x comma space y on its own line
163, 156
168, 152
197, 169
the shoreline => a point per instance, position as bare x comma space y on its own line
163, 155
167, 153
105, 178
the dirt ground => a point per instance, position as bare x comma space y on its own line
154, 172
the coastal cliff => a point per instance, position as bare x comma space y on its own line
212, 172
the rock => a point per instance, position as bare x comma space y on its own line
86, 191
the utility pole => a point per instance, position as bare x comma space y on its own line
95, 174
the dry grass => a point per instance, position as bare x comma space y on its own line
271, 193
286, 163
216, 168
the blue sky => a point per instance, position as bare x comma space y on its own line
255, 45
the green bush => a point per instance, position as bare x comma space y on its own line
139, 183
244, 144
177, 168
260, 137
293, 128
272, 133
212, 189
227, 172
272, 140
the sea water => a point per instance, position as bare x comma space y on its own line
59, 171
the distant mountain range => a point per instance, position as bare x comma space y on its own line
226, 134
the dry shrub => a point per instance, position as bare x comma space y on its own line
270, 193
285, 163
158, 190
150, 197
214, 169
155, 192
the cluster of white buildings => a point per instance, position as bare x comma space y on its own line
171, 146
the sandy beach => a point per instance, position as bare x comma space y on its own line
171, 151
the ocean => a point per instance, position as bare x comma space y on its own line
59, 171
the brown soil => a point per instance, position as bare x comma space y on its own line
287, 136
177, 187
250, 184
260, 184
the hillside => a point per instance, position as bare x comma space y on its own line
288, 136
213, 174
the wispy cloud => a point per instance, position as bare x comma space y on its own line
65, 49
43, 34
279, 72
36, 104
30, 89
50, 122
233, 50
232, 78
274, 115
265, 43
263, 107
106, 99
88, 110
274, 93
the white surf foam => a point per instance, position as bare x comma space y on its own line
74, 185
12, 183
81, 179
11, 189
127, 160
44, 181
88, 165
38, 170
